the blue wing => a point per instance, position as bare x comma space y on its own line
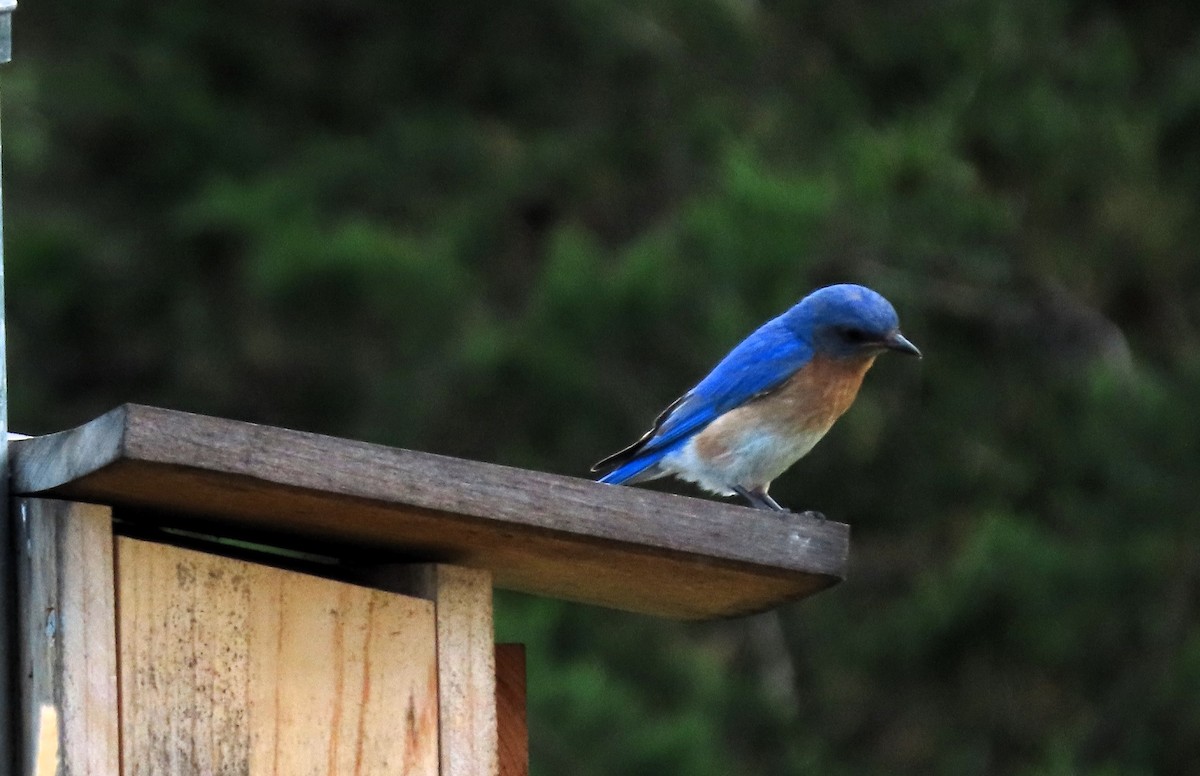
758, 365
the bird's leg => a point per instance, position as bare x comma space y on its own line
772, 503
758, 498
753, 498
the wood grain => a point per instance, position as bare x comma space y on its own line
511, 718
67, 618
557, 536
45, 758
466, 669
230, 667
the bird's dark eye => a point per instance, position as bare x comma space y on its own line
854, 335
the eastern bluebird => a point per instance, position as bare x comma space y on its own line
770, 400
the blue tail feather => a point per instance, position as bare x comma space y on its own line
624, 473
638, 469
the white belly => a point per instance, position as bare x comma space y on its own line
751, 460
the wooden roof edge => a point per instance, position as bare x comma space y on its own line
42, 463
516, 519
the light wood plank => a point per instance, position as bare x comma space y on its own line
234, 667
45, 759
557, 536
510, 710
68, 655
466, 669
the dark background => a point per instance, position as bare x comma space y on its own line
514, 231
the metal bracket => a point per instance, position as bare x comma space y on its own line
6, 9
10, 702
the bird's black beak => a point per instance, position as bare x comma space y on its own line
897, 342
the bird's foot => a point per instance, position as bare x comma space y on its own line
759, 499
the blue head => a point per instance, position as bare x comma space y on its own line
847, 320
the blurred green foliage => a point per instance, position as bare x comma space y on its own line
514, 232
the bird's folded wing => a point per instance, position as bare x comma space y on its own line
760, 364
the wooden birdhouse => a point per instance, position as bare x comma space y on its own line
211, 597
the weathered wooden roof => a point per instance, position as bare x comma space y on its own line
547, 534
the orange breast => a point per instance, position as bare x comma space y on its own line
818, 394
801, 410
